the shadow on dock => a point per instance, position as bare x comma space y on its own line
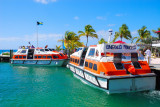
156, 69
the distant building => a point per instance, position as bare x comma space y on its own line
156, 45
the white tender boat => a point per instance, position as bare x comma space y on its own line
115, 68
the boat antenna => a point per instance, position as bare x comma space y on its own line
110, 34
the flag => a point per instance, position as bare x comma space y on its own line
63, 47
39, 23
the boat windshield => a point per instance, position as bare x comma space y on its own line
78, 49
42, 50
125, 56
46, 49
51, 49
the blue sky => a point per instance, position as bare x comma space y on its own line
18, 19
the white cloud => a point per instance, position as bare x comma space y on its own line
100, 18
15, 42
118, 15
134, 33
33, 37
76, 18
45, 1
111, 25
103, 34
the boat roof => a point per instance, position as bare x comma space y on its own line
117, 48
157, 32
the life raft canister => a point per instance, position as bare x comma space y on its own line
132, 70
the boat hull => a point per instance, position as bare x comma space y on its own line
116, 84
59, 62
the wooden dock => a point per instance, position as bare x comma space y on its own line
155, 66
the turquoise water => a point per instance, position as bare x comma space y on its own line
56, 86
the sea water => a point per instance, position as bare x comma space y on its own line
30, 86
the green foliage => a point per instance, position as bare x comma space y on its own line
58, 48
89, 32
149, 40
6, 53
71, 40
123, 33
156, 30
102, 41
144, 36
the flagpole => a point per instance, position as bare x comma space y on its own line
37, 35
62, 43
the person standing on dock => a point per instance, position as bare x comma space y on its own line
148, 55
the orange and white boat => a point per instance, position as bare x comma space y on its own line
115, 68
39, 56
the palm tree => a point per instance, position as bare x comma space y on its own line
71, 41
58, 48
102, 41
89, 32
123, 33
143, 35
156, 30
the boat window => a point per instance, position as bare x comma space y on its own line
60, 54
42, 50
70, 59
118, 66
86, 64
136, 65
49, 56
51, 49
23, 51
44, 57
97, 53
78, 49
78, 61
84, 53
117, 57
134, 57
91, 52
95, 67
20, 57
55, 56
46, 49
24, 57
39, 57
35, 56
16, 57
90, 65
75, 60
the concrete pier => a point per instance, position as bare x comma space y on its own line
156, 69
6, 58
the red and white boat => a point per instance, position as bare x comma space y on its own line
39, 56
115, 68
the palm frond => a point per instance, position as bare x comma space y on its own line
116, 36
